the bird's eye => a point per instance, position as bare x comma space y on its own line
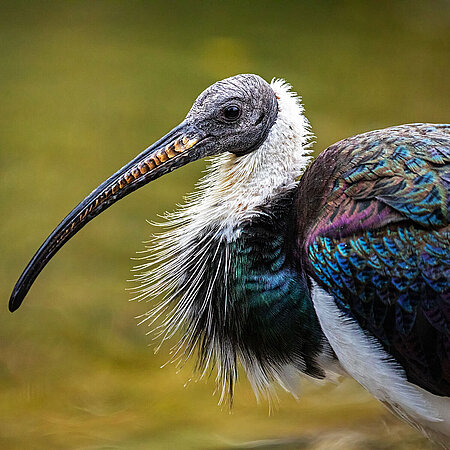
232, 113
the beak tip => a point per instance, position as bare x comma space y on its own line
145, 167
15, 300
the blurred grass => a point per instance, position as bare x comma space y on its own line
84, 87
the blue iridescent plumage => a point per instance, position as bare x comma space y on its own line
379, 242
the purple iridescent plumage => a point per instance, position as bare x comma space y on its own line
374, 232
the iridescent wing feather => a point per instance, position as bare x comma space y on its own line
374, 233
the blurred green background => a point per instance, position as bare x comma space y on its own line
84, 87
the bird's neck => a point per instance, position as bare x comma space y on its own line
231, 283
237, 188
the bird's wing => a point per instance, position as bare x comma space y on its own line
374, 233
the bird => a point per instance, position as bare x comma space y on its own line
290, 266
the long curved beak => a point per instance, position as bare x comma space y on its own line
180, 146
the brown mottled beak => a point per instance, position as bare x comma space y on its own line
182, 145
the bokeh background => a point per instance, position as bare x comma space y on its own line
84, 87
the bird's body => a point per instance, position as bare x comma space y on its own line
378, 247
340, 267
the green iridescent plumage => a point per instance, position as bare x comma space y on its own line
279, 323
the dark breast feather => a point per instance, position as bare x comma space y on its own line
373, 231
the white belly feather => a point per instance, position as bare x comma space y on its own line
370, 365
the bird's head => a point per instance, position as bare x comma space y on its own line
235, 116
